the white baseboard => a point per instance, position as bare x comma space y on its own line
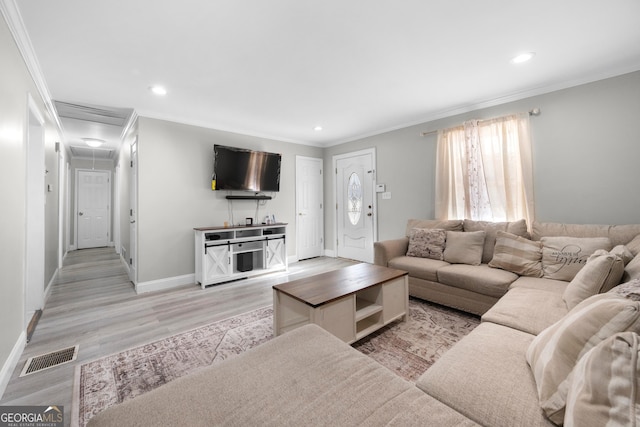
330, 253
11, 362
47, 290
126, 265
292, 259
162, 284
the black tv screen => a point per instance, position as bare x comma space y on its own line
245, 170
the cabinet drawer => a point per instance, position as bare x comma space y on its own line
247, 246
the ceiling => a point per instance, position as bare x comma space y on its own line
277, 69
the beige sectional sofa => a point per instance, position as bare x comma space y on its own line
528, 363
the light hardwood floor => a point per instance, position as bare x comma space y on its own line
93, 304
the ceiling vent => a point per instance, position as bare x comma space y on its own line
92, 153
107, 116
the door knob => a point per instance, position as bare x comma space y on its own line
369, 214
80, 213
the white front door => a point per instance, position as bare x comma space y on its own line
309, 218
356, 223
94, 206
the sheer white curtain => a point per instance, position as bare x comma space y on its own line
484, 170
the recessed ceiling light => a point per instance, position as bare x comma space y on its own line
158, 90
523, 57
93, 142
317, 128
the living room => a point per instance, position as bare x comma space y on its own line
584, 147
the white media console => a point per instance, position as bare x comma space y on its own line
230, 253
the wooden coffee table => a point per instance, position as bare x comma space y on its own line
350, 302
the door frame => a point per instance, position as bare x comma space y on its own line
321, 178
109, 208
35, 205
372, 152
133, 212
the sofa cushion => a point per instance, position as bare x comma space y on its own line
422, 268
481, 279
464, 247
601, 273
486, 378
554, 353
618, 234
519, 228
517, 255
549, 285
427, 243
630, 290
563, 257
446, 224
527, 310
605, 389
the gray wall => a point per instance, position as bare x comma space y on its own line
586, 148
15, 84
174, 185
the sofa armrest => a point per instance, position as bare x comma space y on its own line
386, 250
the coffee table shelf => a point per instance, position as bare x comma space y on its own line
350, 303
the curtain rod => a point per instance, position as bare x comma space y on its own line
532, 112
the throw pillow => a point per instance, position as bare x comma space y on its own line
554, 353
519, 228
630, 290
517, 255
602, 272
464, 247
623, 252
604, 390
563, 257
445, 224
632, 270
427, 243
634, 245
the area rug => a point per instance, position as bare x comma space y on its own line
407, 348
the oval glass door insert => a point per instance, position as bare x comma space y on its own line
354, 198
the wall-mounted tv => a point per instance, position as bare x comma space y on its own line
245, 170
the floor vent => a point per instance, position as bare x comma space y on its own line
49, 360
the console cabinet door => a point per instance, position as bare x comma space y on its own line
275, 253
216, 263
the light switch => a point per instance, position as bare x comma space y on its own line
380, 188
387, 195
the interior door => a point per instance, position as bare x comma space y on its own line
94, 203
354, 205
309, 207
133, 214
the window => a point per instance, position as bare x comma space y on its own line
484, 170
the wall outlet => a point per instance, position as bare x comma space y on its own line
386, 196
380, 188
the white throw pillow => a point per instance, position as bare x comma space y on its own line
464, 247
602, 272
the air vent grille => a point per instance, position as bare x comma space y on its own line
92, 153
49, 360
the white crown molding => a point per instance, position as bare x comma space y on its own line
11, 14
512, 97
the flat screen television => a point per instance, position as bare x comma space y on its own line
245, 170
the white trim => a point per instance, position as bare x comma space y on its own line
292, 259
11, 13
12, 361
125, 263
168, 283
330, 253
49, 287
